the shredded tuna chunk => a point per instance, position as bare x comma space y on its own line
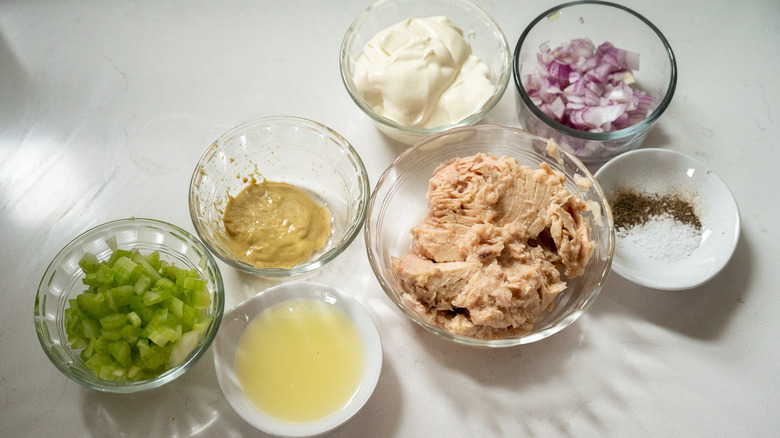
487, 259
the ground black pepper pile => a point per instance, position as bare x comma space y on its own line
631, 208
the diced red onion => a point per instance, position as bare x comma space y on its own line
588, 88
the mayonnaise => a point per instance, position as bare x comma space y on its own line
421, 72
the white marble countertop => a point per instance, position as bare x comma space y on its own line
103, 103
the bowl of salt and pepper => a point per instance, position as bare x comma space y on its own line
676, 222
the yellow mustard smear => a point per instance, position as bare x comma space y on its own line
275, 225
300, 360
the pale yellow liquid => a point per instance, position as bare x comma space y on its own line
300, 360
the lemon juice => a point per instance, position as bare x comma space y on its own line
300, 360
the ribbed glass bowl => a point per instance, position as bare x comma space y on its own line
480, 30
600, 22
403, 187
285, 149
63, 281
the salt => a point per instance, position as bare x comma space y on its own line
661, 237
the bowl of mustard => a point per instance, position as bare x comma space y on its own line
278, 196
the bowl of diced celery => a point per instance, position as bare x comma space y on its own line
129, 305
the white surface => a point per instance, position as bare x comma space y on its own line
106, 106
667, 172
237, 319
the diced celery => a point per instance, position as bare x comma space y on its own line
148, 269
90, 328
154, 296
110, 335
200, 299
194, 284
137, 314
93, 305
89, 262
163, 334
118, 254
112, 372
99, 359
176, 307
120, 295
131, 333
153, 258
123, 269
181, 349
113, 321
120, 351
135, 320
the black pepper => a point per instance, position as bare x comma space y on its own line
631, 208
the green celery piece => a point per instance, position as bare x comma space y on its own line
147, 268
123, 269
120, 296
93, 305
118, 254
131, 333
114, 321
88, 351
153, 258
104, 275
176, 307
90, 328
112, 372
165, 283
188, 314
89, 262
164, 334
135, 320
135, 373
99, 359
200, 299
194, 284
77, 342
120, 351
110, 335
154, 296
181, 349
142, 284
143, 312
171, 272
153, 356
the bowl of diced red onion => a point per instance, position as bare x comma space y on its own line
594, 76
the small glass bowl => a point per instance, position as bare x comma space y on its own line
486, 38
62, 281
237, 319
403, 187
286, 149
600, 22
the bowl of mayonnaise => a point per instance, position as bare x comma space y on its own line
421, 67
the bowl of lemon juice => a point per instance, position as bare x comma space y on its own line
298, 359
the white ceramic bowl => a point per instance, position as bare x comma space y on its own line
666, 172
235, 321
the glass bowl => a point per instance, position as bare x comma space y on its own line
63, 281
236, 321
600, 22
292, 150
403, 187
486, 38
